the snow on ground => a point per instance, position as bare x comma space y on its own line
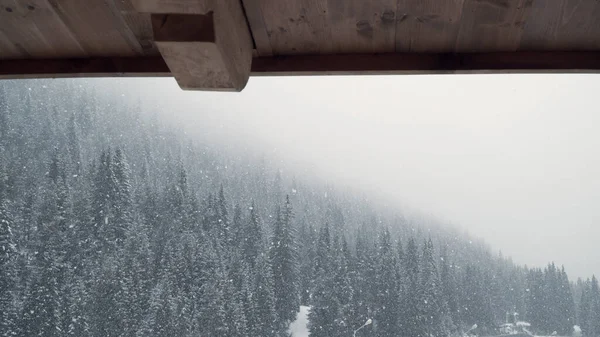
299, 327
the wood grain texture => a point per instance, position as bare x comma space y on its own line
123, 22
362, 26
125, 5
492, 25
562, 25
210, 51
174, 6
200, 66
8, 50
297, 26
138, 23
427, 25
47, 29
184, 27
97, 28
258, 28
141, 27
35, 30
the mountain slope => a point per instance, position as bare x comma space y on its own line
115, 225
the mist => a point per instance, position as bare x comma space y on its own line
512, 159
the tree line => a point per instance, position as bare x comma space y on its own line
113, 226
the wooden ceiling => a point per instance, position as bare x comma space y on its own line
286, 27
75, 37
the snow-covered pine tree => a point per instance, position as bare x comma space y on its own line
248, 299
535, 298
433, 309
102, 212
122, 202
323, 250
347, 319
475, 300
158, 321
223, 218
401, 278
136, 277
237, 224
234, 291
307, 260
78, 300
235, 317
106, 299
252, 243
412, 314
210, 316
263, 320
594, 311
73, 146
45, 309
550, 311
176, 212
8, 276
324, 315
324, 312
210, 216
584, 308
41, 311
449, 287
284, 264
387, 297
566, 305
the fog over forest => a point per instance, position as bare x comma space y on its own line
512, 159
126, 210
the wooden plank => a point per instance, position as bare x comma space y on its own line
428, 63
138, 23
84, 67
427, 25
173, 6
8, 50
125, 5
297, 26
492, 25
359, 26
141, 27
34, 29
123, 26
562, 25
257, 27
97, 28
356, 64
211, 51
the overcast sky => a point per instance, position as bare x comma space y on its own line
514, 159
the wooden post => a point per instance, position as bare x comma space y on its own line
205, 43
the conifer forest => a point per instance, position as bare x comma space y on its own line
115, 224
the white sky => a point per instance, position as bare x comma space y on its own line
514, 159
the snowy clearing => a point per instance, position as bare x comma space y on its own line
299, 327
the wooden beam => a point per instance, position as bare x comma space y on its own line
87, 67
258, 28
441, 63
427, 26
205, 43
359, 64
173, 6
